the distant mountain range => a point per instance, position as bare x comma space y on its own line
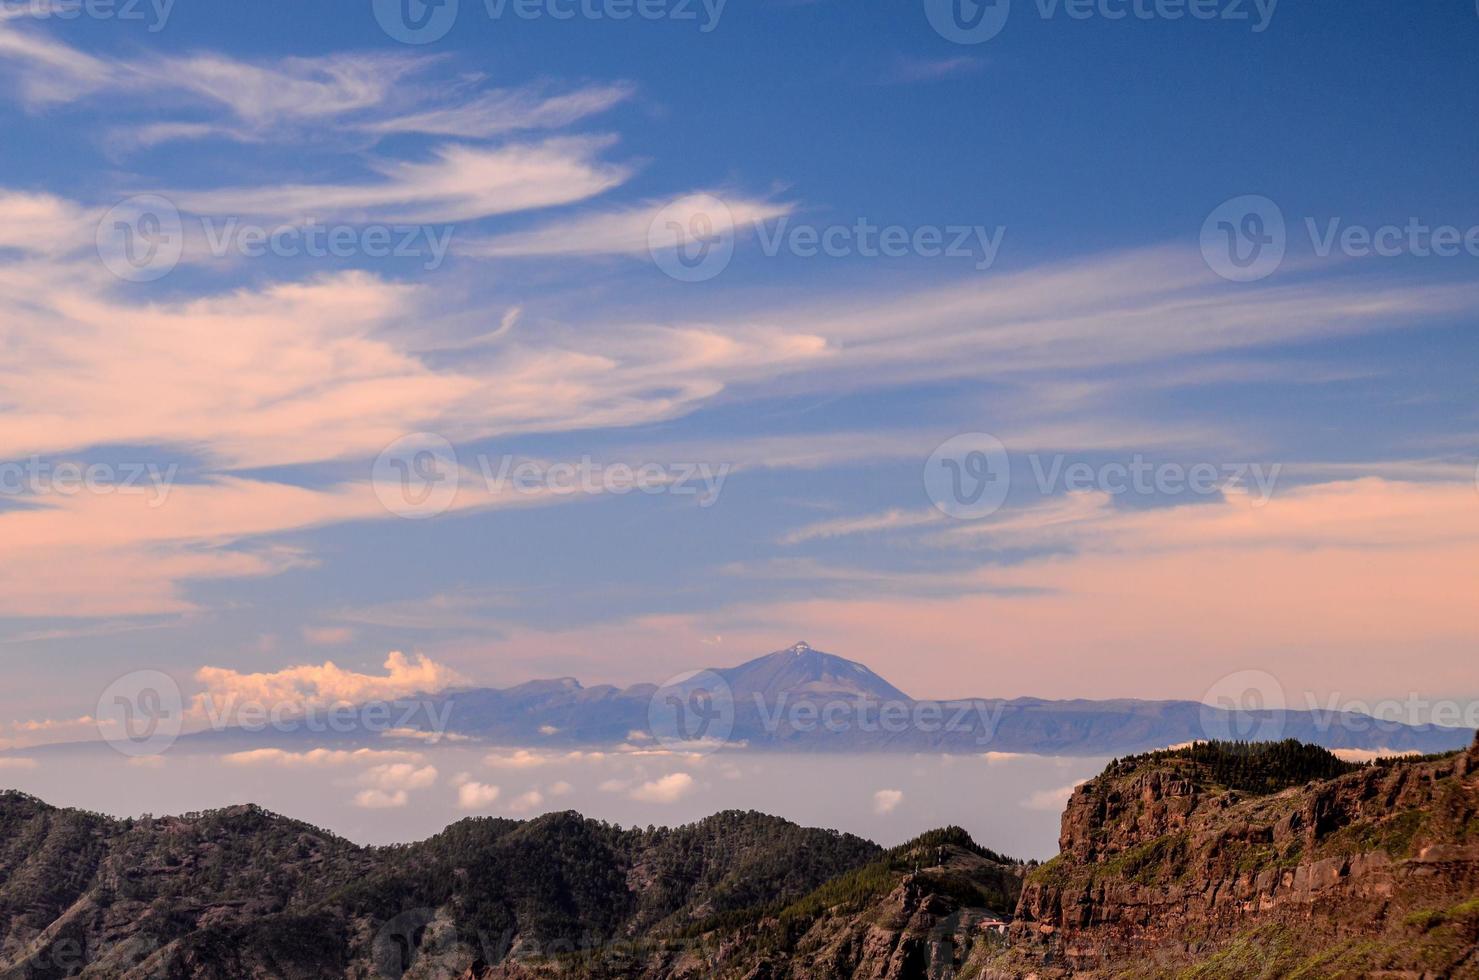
804, 700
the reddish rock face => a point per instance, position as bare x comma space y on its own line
1382, 862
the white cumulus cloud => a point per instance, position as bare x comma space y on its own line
668, 789
887, 800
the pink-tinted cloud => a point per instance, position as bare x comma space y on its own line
326, 684
1333, 588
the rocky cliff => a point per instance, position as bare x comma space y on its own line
1165, 868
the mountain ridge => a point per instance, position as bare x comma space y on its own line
772, 699
1224, 860
801, 699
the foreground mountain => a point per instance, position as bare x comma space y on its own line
804, 700
1217, 860
1231, 862
244, 893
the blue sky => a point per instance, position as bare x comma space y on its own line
817, 388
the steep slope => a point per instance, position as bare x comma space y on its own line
80, 890
245, 893
1206, 861
801, 671
917, 911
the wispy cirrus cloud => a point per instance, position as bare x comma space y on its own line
906, 70
323, 369
372, 94
623, 231
458, 183
890, 520
43, 224
500, 111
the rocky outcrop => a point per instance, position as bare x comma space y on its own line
1376, 870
